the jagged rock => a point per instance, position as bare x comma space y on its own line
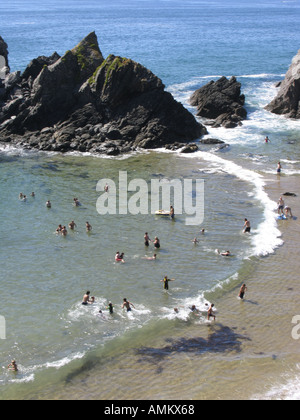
221, 101
4, 67
287, 101
81, 101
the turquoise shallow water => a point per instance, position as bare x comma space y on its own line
44, 276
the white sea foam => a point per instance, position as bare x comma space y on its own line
287, 389
267, 236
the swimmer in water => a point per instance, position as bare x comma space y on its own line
48, 204
126, 304
194, 309
59, 229
150, 258
64, 231
224, 253
13, 366
88, 227
86, 299
76, 202
119, 257
72, 225
195, 241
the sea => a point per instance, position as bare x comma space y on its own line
65, 350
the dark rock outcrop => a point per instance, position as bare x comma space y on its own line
221, 101
4, 67
81, 101
287, 101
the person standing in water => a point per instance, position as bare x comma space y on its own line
280, 206
172, 212
13, 366
279, 168
210, 312
242, 291
166, 282
86, 299
247, 226
110, 308
156, 242
126, 304
147, 239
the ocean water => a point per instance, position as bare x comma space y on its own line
44, 275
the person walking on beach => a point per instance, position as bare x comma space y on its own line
126, 304
166, 282
242, 291
247, 226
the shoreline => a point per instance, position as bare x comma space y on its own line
246, 352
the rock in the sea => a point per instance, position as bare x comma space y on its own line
4, 67
290, 194
221, 101
287, 101
81, 101
211, 141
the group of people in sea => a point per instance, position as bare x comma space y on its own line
63, 230
119, 257
23, 197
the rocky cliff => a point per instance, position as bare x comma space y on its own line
287, 101
81, 101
